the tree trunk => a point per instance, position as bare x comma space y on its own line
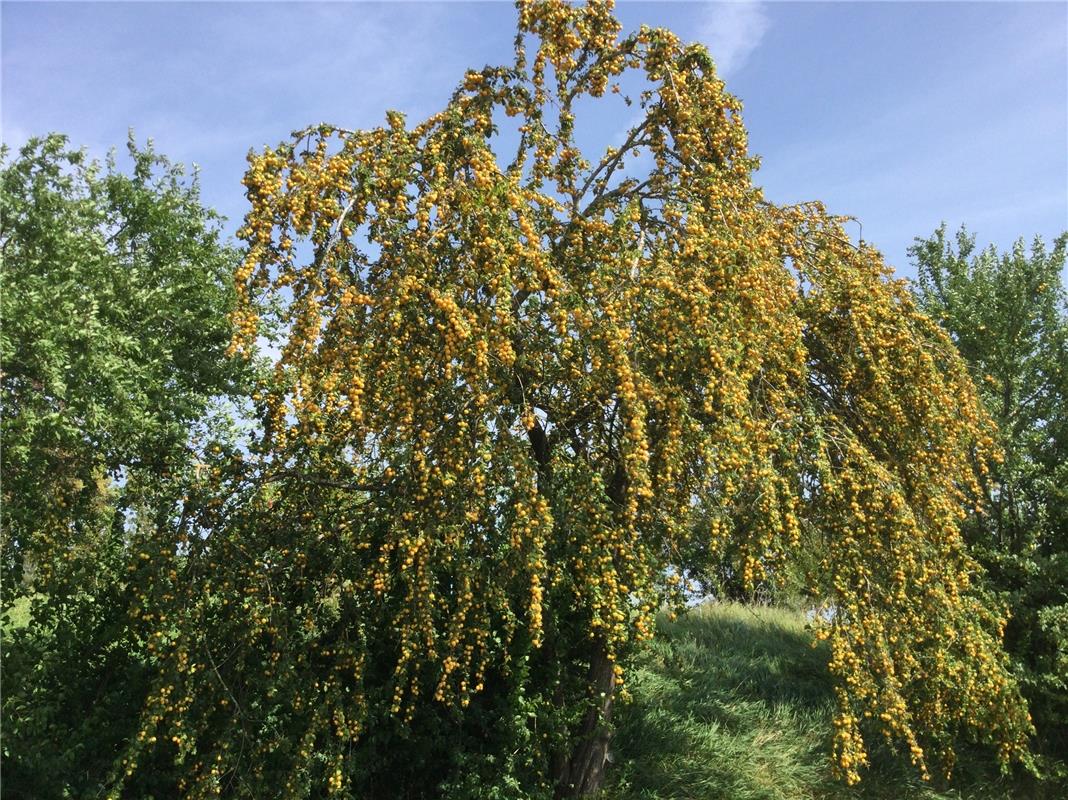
582, 774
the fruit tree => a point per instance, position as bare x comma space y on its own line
512, 378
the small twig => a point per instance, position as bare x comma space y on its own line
215, 669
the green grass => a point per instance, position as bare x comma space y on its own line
734, 703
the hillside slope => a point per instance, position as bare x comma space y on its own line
733, 703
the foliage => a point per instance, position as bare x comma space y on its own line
732, 701
115, 293
115, 302
1007, 313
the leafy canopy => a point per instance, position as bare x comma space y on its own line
114, 305
511, 381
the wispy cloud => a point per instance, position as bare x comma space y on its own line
732, 31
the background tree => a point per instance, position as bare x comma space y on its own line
115, 294
511, 379
1007, 314
116, 290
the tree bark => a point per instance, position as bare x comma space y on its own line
582, 774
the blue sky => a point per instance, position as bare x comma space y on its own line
900, 114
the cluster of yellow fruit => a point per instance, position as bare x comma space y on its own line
913, 648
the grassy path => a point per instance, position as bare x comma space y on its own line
734, 703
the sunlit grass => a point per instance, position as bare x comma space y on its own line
733, 702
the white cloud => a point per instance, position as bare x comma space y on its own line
732, 31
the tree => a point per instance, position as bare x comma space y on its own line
116, 291
510, 381
115, 302
1007, 314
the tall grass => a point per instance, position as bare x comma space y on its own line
733, 702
